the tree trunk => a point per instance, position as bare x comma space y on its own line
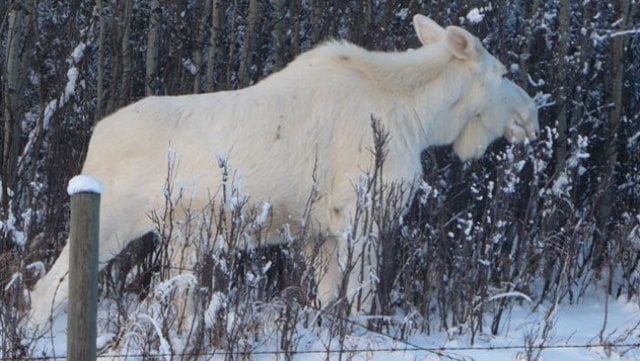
249, 46
123, 95
15, 70
100, 75
564, 42
605, 204
216, 9
279, 33
153, 39
295, 11
197, 51
231, 49
317, 29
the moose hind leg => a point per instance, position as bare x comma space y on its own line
120, 223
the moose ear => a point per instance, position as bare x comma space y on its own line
462, 44
428, 31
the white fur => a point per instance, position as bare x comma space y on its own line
450, 90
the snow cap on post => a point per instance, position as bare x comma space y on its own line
84, 184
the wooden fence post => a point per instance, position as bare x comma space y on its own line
83, 268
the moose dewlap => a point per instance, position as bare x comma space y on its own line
312, 116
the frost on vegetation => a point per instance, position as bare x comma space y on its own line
221, 244
475, 16
264, 214
543, 100
466, 225
364, 194
510, 183
15, 278
632, 139
510, 178
38, 266
490, 186
223, 162
580, 153
634, 236
427, 192
163, 348
545, 148
234, 197
168, 304
77, 53
512, 294
73, 75
72, 79
562, 185
519, 165
540, 82
237, 200
217, 303
402, 13
190, 66
266, 267
104, 339
599, 38
9, 227
165, 289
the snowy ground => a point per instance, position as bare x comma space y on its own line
575, 335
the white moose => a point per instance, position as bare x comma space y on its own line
449, 91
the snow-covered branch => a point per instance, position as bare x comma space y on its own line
610, 35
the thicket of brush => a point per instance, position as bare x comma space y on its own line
210, 283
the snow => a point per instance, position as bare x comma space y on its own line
15, 278
9, 225
575, 332
237, 201
561, 185
218, 301
78, 53
402, 14
84, 184
165, 349
264, 214
38, 266
475, 16
190, 66
599, 38
510, 294
104, 340
72, 78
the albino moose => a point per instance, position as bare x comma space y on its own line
312, 116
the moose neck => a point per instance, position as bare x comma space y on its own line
398, 72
